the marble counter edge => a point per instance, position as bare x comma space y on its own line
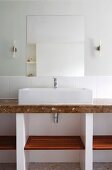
98, 106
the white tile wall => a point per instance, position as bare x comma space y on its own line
41, 81
4, 87
101, 85
86, 82
104, 87
16, 83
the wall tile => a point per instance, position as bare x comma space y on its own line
42, 81
17, 83
4, 87
104, 87
86, 82
101, 85
66, 82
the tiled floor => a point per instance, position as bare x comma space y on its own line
7, 166
103, 166
54, 166
57, 166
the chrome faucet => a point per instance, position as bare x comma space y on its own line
55, 83
55, 115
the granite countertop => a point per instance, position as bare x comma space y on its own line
98, 106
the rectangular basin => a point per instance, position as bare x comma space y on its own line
38, 96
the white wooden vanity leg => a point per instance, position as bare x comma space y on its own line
20, 141
89, 142
86, 157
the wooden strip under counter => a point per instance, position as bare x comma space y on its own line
7, 142
11, 106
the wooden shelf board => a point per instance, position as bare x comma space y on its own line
7, 142
102, 142
54, 143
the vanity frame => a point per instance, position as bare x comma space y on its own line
86, 155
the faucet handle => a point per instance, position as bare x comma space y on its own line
55, 79
55, 82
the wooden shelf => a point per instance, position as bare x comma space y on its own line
102, 142
54, 143
7, 142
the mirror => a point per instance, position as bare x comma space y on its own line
55, 45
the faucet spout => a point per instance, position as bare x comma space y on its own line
55, 83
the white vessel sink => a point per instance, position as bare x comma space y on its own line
36, 96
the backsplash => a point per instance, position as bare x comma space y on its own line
100, 85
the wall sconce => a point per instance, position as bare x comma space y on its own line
14, 49
98, 48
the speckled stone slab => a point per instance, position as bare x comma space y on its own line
11, 106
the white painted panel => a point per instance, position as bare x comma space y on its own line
103, 156
7, 124
16, 83
4, 87
66, 81
44, 81
7, 156
54, 156
20, 142
86, 82
104, 87
86, 156
105, 125
89, 142
43, 124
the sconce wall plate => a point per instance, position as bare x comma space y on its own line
98, 48
14, 49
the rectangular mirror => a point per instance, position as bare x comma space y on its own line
55, 45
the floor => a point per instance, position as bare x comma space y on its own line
57, 166
54, 166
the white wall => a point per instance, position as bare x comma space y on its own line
12, 28
98, 26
